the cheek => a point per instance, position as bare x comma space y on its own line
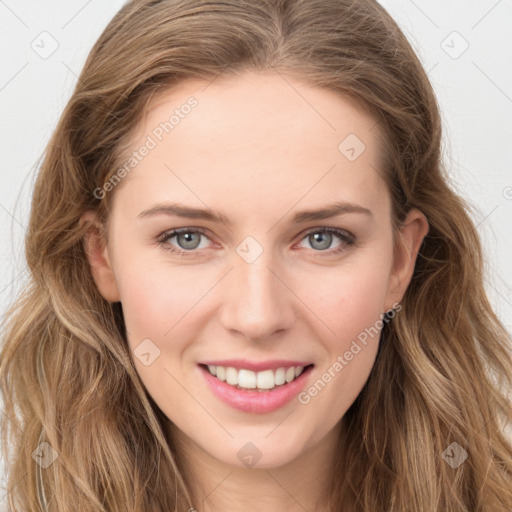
351, 299
158, 299
158, 305
363, 296
351, 306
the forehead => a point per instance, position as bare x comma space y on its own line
256, 134
260, 104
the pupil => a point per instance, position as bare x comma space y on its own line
189, 242
323, 237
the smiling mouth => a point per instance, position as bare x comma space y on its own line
249, 380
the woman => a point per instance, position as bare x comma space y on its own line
252, 286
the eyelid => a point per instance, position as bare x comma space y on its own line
327, 229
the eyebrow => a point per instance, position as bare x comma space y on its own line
179, 210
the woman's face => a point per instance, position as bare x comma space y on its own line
295, 274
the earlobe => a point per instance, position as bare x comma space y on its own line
97, 255
410, 237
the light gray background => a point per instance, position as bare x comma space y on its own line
473, 85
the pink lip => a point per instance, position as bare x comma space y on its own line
257, 366
259, 402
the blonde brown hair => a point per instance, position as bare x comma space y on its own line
67, 375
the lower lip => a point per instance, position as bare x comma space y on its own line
259, 402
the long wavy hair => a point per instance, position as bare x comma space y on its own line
444, 365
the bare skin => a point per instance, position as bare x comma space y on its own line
256, 151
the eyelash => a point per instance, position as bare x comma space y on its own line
346, 238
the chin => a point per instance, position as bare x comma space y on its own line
259, 452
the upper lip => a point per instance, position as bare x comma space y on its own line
257, 366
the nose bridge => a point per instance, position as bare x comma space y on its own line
257, 303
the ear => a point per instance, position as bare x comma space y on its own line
410, 237
97, 254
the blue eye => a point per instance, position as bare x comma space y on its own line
324, 237
189, 239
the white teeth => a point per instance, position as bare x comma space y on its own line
280, 376
248, 379
265, 380
231, 376
221, 373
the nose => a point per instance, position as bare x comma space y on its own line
258, 304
